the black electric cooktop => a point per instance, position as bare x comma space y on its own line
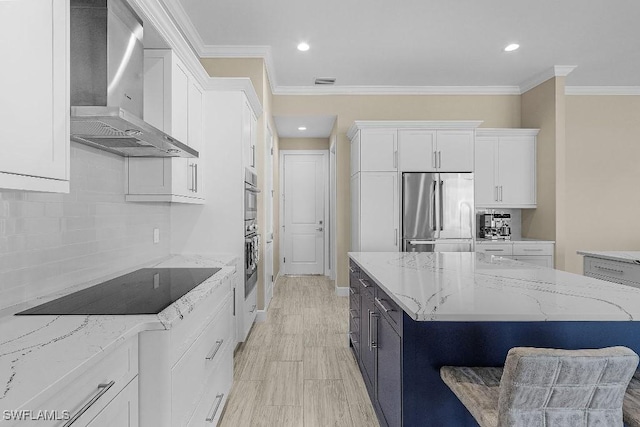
144, 291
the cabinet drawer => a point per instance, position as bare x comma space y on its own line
117, 369
532, 249
495, 248
217, 388
184, 333
619, 272
541, 260
388, 307
198, 363
122, 410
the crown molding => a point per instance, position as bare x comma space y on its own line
165, 20
555, 71
498, 132
411, 124
602, 90
397, 90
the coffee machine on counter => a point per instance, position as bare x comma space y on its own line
495, 226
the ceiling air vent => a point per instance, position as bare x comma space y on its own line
325, 80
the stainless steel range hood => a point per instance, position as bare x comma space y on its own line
107, 61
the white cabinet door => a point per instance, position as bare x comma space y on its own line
248, 136
417, 150
179, 102
455, 150
355, 154
486, 192
355, 212
34, 105
378, 150
379, 211
122, 411
173, 102
516, 171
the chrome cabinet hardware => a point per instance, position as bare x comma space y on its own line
214, 408
500, 192
215, 349
364, 283
395, 237
373, 337
495, 195
102, 389
439, 159
613, 270
354, 313
253, 309
233, 303
532, 250
381, 304
319, 229
441, 205
195, 173
395, 159
494, 250
351, 269
433, 217
351, 290
435, 164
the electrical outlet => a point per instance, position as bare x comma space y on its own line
156, 235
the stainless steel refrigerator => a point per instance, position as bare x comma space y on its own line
437, 212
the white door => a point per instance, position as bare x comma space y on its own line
416, 149
485, 168
304, 178
378, 150
455, 150
516, 169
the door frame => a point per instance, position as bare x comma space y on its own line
333, 162
325, 168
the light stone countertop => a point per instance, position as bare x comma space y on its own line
468, 286
41, 351
632, 257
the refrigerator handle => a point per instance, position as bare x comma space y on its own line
433, 206
441, 205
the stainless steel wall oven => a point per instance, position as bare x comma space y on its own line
251, 237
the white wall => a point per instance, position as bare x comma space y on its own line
52, 241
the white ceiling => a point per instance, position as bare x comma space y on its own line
317, 126
420, 43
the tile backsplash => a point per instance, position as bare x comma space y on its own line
52, 241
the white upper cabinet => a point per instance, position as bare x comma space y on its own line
378, 211
454, 150
378, 150
173, 102
34, 105
506, 168
416, 150
249, 136
355, 154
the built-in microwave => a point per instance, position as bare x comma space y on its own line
250, 195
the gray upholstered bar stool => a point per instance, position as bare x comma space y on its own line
547, 387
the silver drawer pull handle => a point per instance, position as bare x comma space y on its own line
213, 352
351, 334
354, 313
494, 250
212, 414
609, 269
351, 269
380, 303
253, 309
352, 290
103, 388
533, 250
364, 283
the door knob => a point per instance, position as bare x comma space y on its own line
319, 228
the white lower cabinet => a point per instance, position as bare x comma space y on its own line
104, 395
250, 312
122, 411
621, 272
538, 253
180, 367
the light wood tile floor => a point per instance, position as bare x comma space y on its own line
296, 369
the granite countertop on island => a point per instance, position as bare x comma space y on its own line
467, 286
632, 257
38, 352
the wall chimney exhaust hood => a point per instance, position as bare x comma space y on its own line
107, 61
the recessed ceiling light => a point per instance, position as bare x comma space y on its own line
303, 47
302, 128
512, 47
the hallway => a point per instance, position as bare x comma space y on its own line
296, 369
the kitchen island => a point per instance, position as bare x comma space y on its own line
411, 313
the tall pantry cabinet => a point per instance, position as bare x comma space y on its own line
34, 105
380, 152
